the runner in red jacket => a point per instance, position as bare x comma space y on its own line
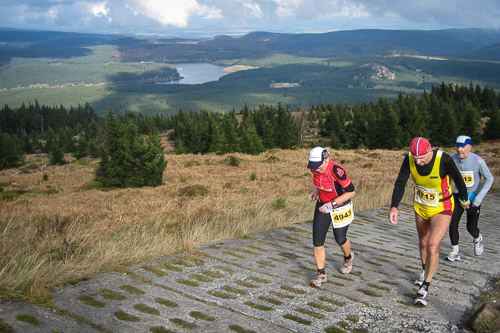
335, 190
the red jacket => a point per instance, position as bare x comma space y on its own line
331, 183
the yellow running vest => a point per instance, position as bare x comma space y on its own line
431, 190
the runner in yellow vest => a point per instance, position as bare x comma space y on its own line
433, 203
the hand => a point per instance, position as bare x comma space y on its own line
393, 215
466, 206
325, 208
313, 196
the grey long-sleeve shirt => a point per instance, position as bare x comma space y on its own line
477, 168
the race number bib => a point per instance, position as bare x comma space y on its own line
468, 177
342, 216
426, 196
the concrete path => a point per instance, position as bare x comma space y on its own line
260, 284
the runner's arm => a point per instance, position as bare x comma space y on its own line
488, 181
399, 186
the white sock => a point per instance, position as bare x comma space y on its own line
455, 248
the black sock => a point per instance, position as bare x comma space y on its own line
426, 284
423, 266
321, 271
348, 257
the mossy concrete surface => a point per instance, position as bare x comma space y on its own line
260, 283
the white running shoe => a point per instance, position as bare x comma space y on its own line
318, 280
421, 298
420, 279
478, 245
454, 255
347, 265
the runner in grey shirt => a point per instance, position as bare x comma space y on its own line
472, 167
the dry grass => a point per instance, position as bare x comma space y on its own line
59, 231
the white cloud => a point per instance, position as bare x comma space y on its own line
100, 9
174, 12
253, 8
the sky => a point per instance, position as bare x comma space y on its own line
236, 17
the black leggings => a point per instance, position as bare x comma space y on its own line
472, 218
321, 224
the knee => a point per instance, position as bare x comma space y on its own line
432, 248
422, 243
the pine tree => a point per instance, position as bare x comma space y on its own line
127, 160
56, 155
250, 141
11, 155
82, 147
492, 129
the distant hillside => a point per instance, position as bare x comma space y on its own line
352, 43
491, 53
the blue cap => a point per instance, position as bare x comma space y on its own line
463, 140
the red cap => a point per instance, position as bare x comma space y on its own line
420, 146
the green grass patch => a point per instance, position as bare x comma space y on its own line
260, 262
353, 318
344, 278
183, 323
4, 328
321, 306
170, 267
246, 251
160, 329
239, 329
187, 283
197, 261
331, 301
146, 309
220, 294
229, 253
226, 269
155, 270
202, 316
110, 294
213, 274
360, 330
297, 319
258, 248
194, 191
270, 300
333, 329
369, 292
120, 315
132, 290
192, 163
259, 306
233, 290
166, 302
260, 280
245, 284
91, 301
293, 290
310, 313
27, 318
183, 262
201, 278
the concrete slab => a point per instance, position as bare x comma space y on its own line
259, 283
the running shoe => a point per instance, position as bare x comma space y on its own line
318, 280
454, 255
347, 265
420, 279
478, 245
421, 298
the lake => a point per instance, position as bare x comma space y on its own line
197, 73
